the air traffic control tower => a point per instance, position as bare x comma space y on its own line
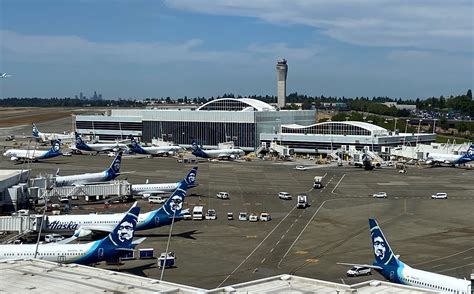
282, 70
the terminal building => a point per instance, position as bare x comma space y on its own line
248, 123
228, 119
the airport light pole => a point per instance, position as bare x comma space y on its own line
167, 246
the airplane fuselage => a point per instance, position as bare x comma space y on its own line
65, 253
83, 179
18, 154
404, 274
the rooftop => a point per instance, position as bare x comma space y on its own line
39, 276
9, 173
236, 104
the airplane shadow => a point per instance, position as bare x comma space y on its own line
185, 235
139, 270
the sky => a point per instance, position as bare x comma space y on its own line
149, 48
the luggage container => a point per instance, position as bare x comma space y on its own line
146, 253
168, 260
129, 255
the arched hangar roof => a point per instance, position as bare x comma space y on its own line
337, 128
236, 104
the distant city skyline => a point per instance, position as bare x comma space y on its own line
176, 48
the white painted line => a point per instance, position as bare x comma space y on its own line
271, 250
448, 256
278, 242
255, 249
332, 192
287, 230
302, 231
453, 268
282, 236
263, 260
439, 265
467, 257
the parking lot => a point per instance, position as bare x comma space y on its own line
435, 235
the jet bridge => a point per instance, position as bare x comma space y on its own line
90, 192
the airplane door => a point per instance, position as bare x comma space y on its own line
392, 276
61, 259
157, 220
100, 253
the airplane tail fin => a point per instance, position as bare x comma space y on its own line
35, 131
79, 142
122, 235
114, 169
55, 147
190, 180
194, 145
174, 204
383, 253
470, 152
135, 147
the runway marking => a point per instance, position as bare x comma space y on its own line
271, 250
301, 252
246, 203
251, 236
302, 231
282, 236
263, 260
312, 260
278, 242
439, 265
453, 268
258, 203
258, 246
287, 230
467, 257
441, 258
332, 192
291, 225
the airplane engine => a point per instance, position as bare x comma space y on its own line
233, 156
13, 158
116, 149
171, 153
429, 162
82, 233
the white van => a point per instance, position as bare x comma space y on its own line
198, 212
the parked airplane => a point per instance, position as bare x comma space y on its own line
84, 225
25, 154
217, 153
440, 158
147, 190
4, 75
388, 265
154, 150
97, 147
82, 179
118, 242
44, 137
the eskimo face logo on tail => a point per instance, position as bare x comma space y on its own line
116, 165
176, 203
125, 231
194, 145
379, 247
56, 146
35, 131
191, 178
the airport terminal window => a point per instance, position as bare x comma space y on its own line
207, 133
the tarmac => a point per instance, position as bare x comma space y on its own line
432, 235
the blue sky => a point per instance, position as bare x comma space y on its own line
150, 48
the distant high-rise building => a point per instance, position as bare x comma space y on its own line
81, 96
95, 96
99, 97
282, 70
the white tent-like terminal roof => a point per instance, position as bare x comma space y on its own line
236, 104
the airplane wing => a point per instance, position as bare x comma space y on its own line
138, 241
64, 241
364, 265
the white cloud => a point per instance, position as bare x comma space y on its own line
434, 24
74, 49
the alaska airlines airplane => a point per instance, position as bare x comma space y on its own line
25, 154
388, 265
97, 147
4, 75
43, 137
107, 175
118, 242
147, 190
217, 153
154, 150
83, 225
439, 158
